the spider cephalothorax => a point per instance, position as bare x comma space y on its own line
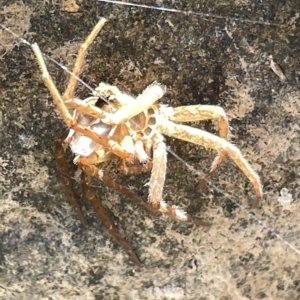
131, 130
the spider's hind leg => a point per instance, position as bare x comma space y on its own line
90, 194
193, 113
64, 173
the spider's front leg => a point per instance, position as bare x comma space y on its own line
157, 181
69, 93
194, 113
67, 117
206, 139
130, 107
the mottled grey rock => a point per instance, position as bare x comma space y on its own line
45, 253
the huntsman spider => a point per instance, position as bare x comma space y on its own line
130, 130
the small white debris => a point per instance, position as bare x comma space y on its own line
100, 174
159, 61
167, 292
169, 23
285, 197
276, 69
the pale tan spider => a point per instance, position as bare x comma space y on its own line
131, 130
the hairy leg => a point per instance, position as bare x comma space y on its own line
200, 113
156, 185
69, 93
206, 139
64, 173
94, 172
98, 207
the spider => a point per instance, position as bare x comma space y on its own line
130, 130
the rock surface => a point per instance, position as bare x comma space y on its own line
45, 253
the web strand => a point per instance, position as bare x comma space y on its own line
188, 13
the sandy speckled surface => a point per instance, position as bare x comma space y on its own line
45, 253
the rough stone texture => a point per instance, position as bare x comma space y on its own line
45, 253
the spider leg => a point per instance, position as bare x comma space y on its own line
200, 113
148, 97
110, 145
86, 108
206, 139
65, 176
194, 113
96, 203
69, 93
93, 171
156, 185
87, 164
130, 106
131, 169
